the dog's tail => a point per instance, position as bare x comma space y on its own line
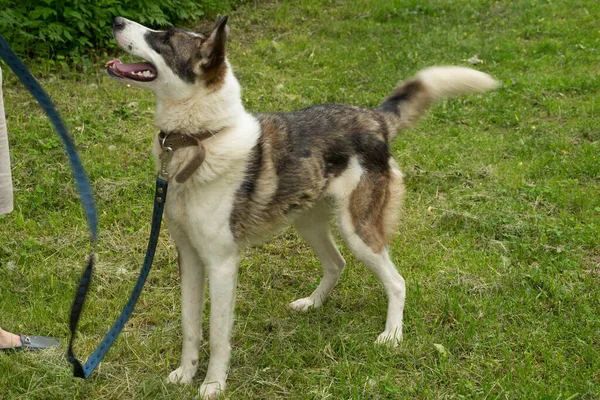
411, 98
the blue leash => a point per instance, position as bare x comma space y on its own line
96, 357
89, 208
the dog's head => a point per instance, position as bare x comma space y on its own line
176, 61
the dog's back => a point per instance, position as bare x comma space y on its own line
300, 153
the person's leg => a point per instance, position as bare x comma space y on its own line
6, 194
8, 339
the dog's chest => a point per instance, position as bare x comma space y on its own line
202, 213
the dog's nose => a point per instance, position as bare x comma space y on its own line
119, 23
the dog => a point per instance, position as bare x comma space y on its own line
235, 178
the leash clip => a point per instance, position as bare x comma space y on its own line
165, 157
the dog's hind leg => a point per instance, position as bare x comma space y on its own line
365, 218
192, 303
313, 226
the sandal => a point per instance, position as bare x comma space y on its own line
33, 343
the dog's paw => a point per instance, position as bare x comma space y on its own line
302, 305
182, 375
390, 338
211, 390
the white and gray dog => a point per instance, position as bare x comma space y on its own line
239, 178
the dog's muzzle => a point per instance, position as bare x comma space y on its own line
119, 23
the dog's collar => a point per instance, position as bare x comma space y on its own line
173, 141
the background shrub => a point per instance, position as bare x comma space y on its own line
50, 28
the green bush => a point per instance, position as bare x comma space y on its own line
50, 28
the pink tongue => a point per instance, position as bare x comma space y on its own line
136, 67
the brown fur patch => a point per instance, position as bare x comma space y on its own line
367, 207
274, 139
393, 208
375, 206
214, 77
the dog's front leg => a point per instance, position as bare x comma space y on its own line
193, 280
222, 279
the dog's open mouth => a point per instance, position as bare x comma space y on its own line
142, 72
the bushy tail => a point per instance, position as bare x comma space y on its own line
410, 100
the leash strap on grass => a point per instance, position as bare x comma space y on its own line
159, 204
89, 208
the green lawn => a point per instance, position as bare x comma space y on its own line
499, 245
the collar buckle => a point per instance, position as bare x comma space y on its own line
165, 158
170, 142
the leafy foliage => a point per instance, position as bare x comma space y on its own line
74, 27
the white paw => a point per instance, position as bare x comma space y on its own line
182, 375
211, 390
302, 305
390, 338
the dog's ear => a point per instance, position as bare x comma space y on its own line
220, 19
213, 48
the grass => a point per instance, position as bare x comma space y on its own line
499, 243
